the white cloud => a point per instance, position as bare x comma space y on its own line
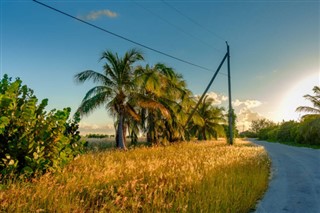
218, 98
247, 103
86, 128
94, 15
245, 117
245, 113
237, 103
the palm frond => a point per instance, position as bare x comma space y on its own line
95, 76
89, 105
96, 90
150, 104
132, 56
308, 109
130, 110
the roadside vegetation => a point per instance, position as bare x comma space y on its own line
306, 132
33, 141
45, 166
183, 177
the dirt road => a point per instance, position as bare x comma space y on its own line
295, 183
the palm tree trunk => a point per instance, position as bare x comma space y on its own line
120, 141
125, 134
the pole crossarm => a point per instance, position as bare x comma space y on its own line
206, 90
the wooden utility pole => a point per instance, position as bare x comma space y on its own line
230, 101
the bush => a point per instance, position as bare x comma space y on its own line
288, 131
248, 134
309, 131
266, 133
33, 141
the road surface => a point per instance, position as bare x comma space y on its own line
295, 180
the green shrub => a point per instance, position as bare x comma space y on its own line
288, 131
33, 141
267, 132
309, 131
272, 134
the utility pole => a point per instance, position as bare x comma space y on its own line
206, 90
230, 102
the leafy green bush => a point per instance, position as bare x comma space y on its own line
248, 134
288, 131
309, 131
33, 141
267, 132
272, 134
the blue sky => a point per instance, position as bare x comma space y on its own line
274, 47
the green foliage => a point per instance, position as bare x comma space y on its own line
309, 131
287, 131
33, 141
247, 134
211, 120
260, 124
306, 132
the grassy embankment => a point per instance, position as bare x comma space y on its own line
186, 177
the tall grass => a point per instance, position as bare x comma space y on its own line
186, 177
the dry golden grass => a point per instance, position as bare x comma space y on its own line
185, 177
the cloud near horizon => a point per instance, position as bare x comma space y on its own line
245, 114
86, 128
244, 109
247, 103
218, 98
94, 15
244, 118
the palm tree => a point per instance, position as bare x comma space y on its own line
211, 120
315, 100
161, 92
115, 86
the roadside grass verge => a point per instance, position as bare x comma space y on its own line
184, 177
312, 146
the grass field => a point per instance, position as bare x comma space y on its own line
185, 177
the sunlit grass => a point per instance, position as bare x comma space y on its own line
186, 177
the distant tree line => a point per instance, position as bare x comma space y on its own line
98, 136
306, 131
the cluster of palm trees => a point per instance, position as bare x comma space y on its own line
153, 100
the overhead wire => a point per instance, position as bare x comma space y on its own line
193, 21
126, 39
176, 26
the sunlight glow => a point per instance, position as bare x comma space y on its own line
294, 98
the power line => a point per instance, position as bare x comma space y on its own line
124, 38
193, 21
176, 26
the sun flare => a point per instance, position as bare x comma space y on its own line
294, 98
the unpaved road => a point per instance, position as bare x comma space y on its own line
295, 182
